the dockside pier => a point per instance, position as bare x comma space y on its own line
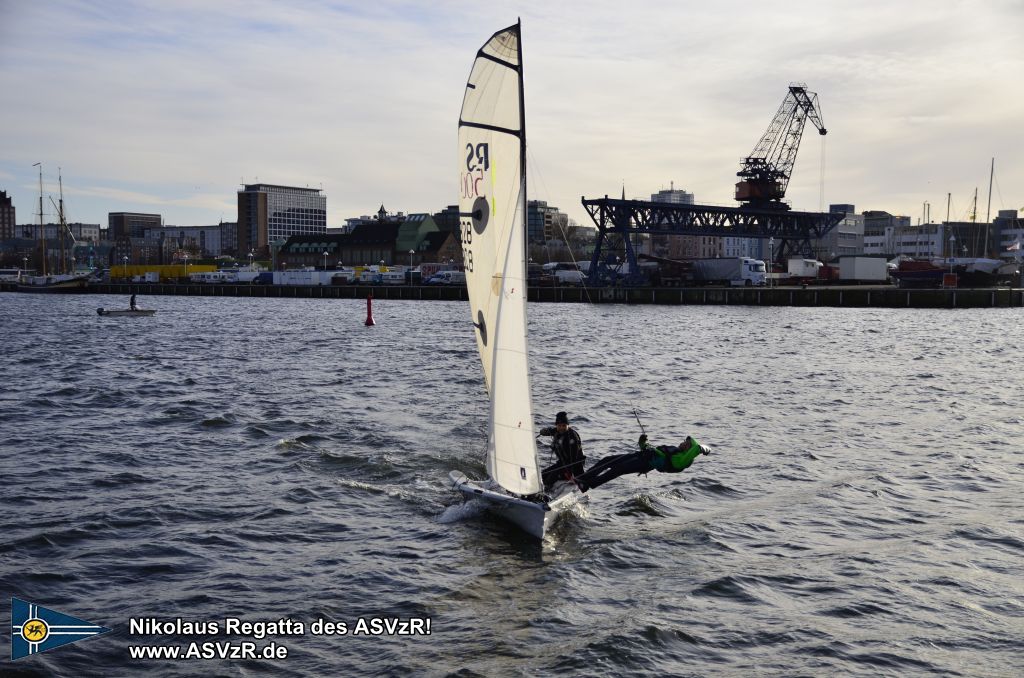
860, 296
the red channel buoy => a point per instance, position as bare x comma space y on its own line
369, 310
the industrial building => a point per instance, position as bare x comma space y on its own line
269, 213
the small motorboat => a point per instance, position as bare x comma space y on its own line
128, 312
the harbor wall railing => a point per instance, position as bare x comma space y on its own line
881, 296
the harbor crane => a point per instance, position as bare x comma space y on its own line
766, 171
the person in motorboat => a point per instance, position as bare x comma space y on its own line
131, 304
664, 458
568, 450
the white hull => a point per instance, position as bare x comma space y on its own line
534, 518
128, 313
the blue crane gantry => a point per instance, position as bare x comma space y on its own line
618, 220
762, 214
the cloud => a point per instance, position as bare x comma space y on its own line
141, 102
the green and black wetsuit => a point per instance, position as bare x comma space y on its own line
664, 458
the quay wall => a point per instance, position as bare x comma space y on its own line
882, 296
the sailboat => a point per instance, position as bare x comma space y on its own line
55, 282
492, 208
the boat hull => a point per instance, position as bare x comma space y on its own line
127, 313
534, 518
55, 287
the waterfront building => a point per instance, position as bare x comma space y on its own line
972, 239
448, 219
229, 239
920, 241
389, 242
8, 228
689, 246
202, 240
673, 195
269, 213
545, 222
441, 246
928, 240
371, 244
131, 224
83, 233
411, 238
882, 231
366, 245
845, 239
302, 251
1009, 229
382, 216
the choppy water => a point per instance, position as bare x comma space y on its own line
861, 514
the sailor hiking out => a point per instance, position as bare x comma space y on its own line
664, 458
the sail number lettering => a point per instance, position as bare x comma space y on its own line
466, 238
472, 183
477, 156
478, 161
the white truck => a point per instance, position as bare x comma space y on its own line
863, 269
798, 267
729, 271
565, 272
211, 277
307, 277
448, 278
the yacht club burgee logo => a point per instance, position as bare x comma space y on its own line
35, 629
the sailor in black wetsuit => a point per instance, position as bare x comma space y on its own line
664, 458
131, 304
568, 449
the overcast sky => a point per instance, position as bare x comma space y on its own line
167, 107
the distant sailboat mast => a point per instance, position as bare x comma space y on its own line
42, 229
988, 211
63, 224
974, 217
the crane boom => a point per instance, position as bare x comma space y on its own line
766, 171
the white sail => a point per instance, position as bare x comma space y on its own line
492, 203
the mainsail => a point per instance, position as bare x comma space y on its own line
492, 206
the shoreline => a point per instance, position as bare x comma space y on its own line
845, 296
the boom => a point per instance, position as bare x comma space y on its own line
766, 171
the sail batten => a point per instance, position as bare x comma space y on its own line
493, 128
492, 207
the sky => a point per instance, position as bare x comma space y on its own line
169, 106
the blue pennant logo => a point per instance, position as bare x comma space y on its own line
35, 629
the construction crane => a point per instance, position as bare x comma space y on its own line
766, 171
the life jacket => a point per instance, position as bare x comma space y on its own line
673, 459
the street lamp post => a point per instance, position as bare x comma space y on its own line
250, 259
771, 258
186, 268
24, 267
125, 258
325, 260
952, 250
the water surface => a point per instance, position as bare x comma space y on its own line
861, 513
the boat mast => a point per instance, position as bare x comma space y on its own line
42, 229
974, 217
988, 211
522, 139
949, 200
63, 225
